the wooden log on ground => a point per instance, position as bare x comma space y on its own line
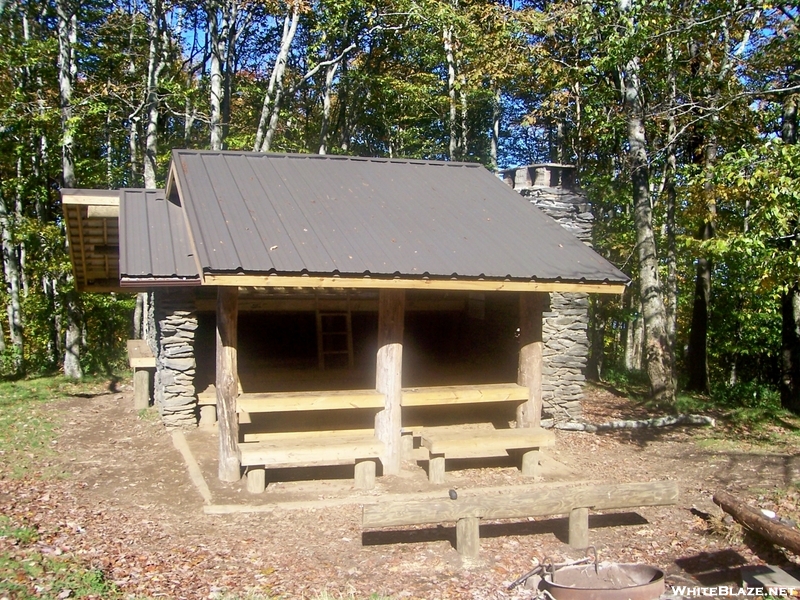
519, 504
389, 378
529, 373
752, 518
227, 383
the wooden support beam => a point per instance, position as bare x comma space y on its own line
227, 383
389, 379
522, 503
531, 308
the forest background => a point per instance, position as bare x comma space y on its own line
680, 116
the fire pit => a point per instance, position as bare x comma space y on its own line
605, 581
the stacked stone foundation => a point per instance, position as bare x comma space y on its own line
175, 395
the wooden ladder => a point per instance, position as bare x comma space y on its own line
334, 335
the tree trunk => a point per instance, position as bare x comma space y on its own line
451, 91
275, 86
669, 186
11, 270
658, 353
222, 33
67, 69
330, 73
790, 300
155, 64
497, 114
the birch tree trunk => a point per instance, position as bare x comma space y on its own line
67, 69
275, 86
451, 91
669, 186
497, 114
658, 353
222, 33
11, 270
330, 73
155, 64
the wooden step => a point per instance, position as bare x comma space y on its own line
482, 440
463, 394
314, 450
300, 401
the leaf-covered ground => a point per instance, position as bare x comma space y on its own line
108, 509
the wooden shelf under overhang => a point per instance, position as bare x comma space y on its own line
92, 222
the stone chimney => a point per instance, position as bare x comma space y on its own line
553, 189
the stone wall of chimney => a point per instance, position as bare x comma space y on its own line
174, 391
553, 189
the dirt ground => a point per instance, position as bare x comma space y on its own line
117, 495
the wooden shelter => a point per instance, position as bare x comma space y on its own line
305, 246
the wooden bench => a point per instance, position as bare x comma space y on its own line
275, 450
441, 443
142, 361
467, 512
312, 450
462, 442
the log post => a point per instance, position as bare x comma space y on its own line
227, 383
531, 308
141, 388
579, 528
468, 539
388, 379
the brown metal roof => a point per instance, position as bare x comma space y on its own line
155, 247
320, 215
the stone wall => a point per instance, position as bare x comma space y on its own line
176, 320
552, 188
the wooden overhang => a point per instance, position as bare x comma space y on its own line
92, 222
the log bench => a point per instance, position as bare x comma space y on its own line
486, 442
309, 448
523, 503
461, 442
143, 362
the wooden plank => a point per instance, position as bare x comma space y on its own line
276, 436
389, 375
300, 401
102, 212
522, 503
463, 394
310, 452
272, 302
478, 285
529, 372
139, 355
480, 440
227, 384
86, 197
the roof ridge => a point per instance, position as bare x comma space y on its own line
310, 156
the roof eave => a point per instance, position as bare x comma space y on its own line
410, 283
